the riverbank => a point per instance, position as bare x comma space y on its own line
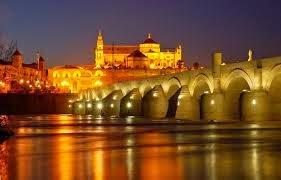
5, 132
35, 103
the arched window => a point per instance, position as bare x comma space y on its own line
56, 74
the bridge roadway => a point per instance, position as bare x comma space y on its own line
247, 91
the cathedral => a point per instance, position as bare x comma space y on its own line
147, 55
117, 63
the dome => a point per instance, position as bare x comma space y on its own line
149, 40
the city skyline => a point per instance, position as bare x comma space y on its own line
68, 34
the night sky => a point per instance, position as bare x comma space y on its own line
65, 30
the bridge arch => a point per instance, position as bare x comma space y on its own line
200, 84
171, 86
237, 74
145, 87
273, 88
172, 90
273, 73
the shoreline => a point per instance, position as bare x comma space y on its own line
5, 132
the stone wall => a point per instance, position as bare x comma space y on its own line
35, 104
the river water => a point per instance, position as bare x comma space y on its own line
66, 147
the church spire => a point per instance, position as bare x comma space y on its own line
100, 35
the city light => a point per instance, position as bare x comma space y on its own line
98, 83
89, 105
212, 102
111, 105
64, 83
99, 105
21, 81
2, 84
80, 106
70, 106
129, 104
254, 102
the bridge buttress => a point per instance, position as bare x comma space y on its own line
155, 103
188, 106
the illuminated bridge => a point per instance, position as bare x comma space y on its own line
248, 90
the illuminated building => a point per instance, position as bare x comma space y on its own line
148, 54
117, 63
18, 71
71, 78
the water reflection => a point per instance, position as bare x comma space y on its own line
139, 152
3, 161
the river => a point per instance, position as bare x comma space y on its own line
64, 147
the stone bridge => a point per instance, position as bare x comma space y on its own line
247, 90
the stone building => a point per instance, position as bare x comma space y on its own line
119, 55
137, 60
17, 71
117, 63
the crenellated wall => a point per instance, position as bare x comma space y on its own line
248, 90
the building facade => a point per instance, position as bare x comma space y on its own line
74, 79
117, 63
122, 55
16, 71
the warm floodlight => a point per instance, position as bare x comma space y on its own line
212, 102
99, 105
89, 105
129, 105
80, 106
254, 102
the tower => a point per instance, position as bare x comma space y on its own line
99, 57
178, 55
17, 59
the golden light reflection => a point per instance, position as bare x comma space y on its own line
153, 167
98, 163
65, 165
3, 161
64, 119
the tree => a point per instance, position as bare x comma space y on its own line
7, 50
196, 65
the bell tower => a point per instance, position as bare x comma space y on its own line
99, 57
